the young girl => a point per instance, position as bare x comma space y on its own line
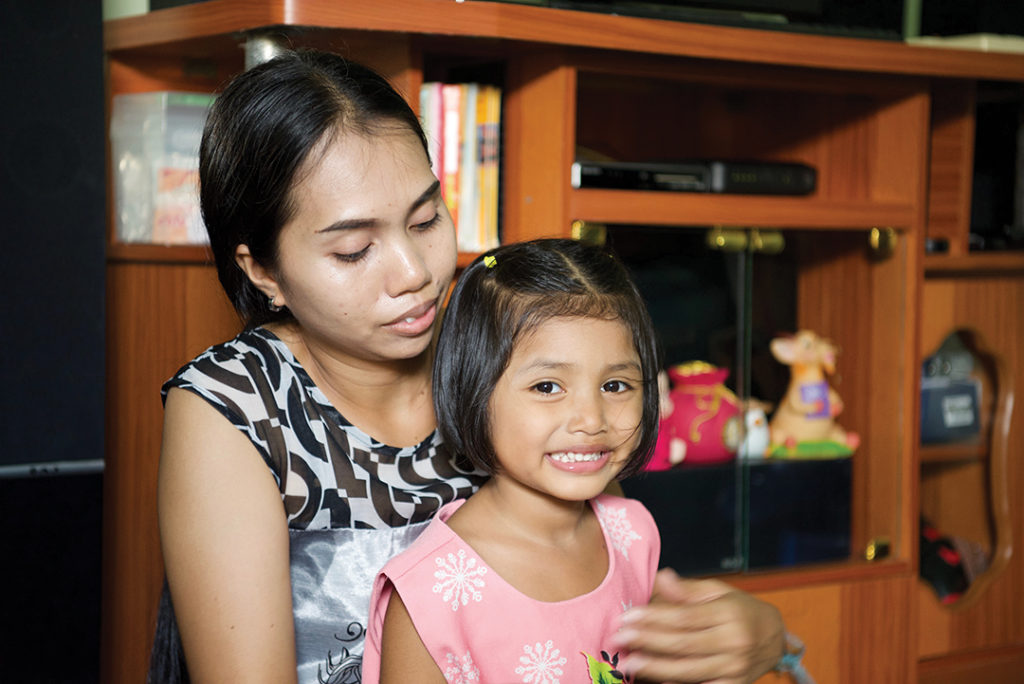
545, 378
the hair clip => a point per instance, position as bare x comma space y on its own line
490, 261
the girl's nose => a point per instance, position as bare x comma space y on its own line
588, 414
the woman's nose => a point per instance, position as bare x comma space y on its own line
409, 270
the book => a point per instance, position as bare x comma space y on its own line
451, 146
462, 123
430, 118
489, 164
468, 225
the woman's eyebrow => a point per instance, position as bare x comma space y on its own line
429, 194
353, 224
350, 224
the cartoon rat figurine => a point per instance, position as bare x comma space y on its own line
804, 425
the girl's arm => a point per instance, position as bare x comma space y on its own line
701, 631
403, 657
225, 543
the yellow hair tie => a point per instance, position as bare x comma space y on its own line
490, 261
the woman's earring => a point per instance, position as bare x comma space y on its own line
270, 303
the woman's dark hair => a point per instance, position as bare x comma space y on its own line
507, 293
261, 130
259, 133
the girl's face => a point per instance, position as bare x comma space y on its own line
370, 251
565, 414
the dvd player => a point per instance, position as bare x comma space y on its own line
751, 178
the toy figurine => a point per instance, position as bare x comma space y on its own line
804, 425
699, 418
757, 437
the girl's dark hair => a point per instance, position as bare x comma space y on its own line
509, 292
259, 133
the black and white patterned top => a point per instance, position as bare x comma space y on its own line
352, 502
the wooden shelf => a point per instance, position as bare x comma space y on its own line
666, 208
986, 262
954, 453
176, 254
225, 18
806, 575
466, 258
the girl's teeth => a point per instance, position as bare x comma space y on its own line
572, 457
410, 319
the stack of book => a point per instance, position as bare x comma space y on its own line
462, 122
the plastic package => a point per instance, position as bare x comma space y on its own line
155, 146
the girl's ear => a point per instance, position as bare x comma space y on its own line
259, 275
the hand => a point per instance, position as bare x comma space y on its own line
700, 631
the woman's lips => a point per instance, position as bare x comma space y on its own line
415, 321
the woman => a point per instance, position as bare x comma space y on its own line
333, 243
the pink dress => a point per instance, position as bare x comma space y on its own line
478, 628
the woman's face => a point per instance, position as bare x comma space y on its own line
367, 257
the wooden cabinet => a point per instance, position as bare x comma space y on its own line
972, 490
885, 125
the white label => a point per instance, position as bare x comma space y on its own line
958, 410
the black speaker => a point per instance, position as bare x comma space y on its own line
52, 208
52, 212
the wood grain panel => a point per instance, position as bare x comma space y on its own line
952, 160
540, 113
990, 305
999, 666
854, 632
878, 630
158, 317
899, 150
862, 305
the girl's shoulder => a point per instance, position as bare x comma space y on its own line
606, 505
626, 522
437, 541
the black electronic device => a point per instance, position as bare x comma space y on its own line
752, 178
875, 19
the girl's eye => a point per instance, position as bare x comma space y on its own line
428, 224
352, 257
616, 386
547, 387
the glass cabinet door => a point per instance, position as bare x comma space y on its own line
772, 363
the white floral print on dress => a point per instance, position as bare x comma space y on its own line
619, 529
458, 579
541, 664
461, 669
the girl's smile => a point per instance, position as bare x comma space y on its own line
580, 462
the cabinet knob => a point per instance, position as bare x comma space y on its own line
877, 549
725, 239
590, 232
883, 242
